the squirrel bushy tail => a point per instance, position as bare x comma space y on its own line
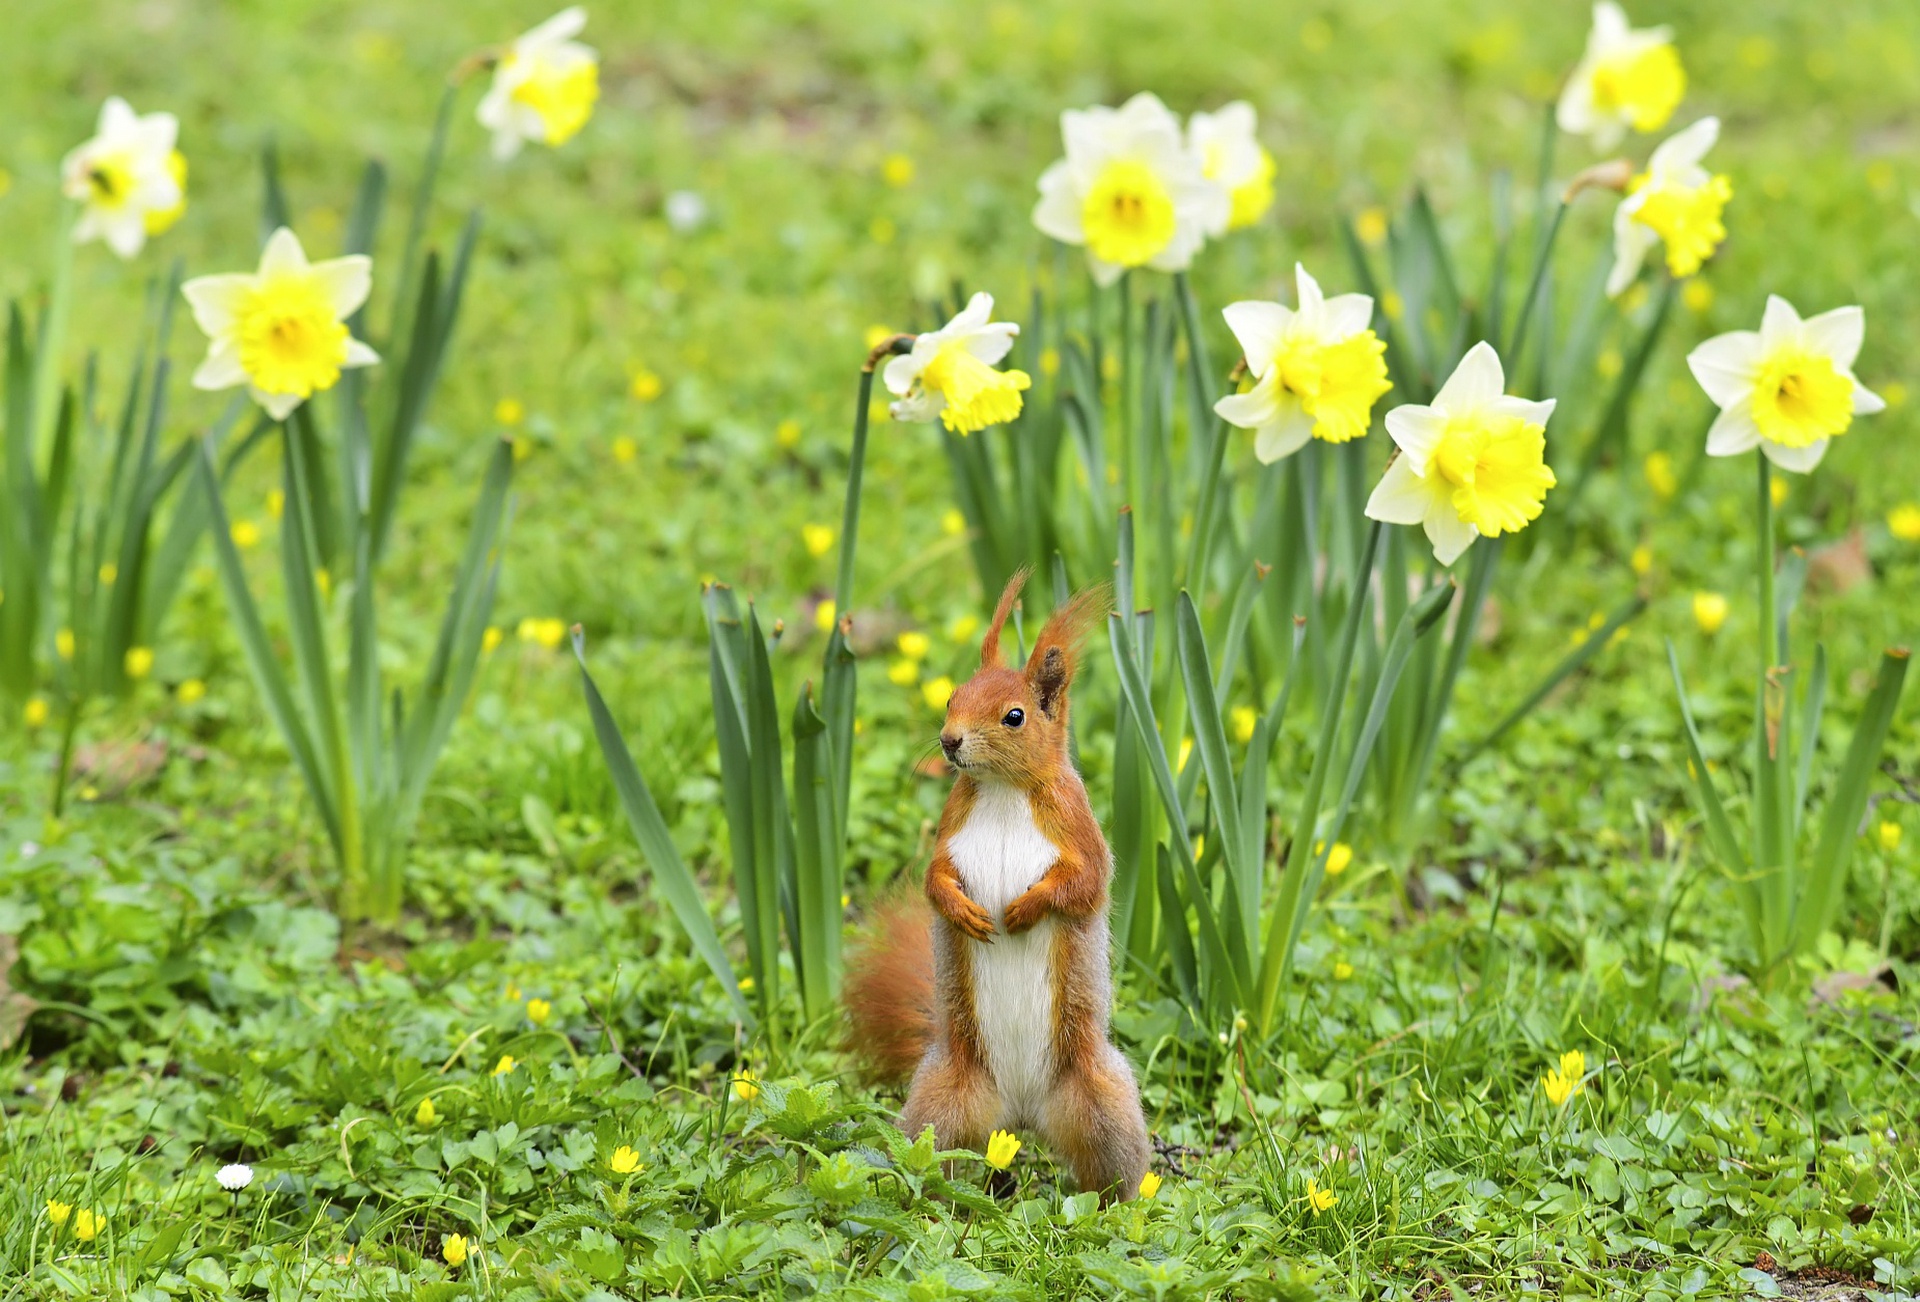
889, 990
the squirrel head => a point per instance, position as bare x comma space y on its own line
1010, 725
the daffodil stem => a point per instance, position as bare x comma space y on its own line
1517, 342
850, 520
53, 335
1215, 434
1284, 929
422, 201
63, 771
1772, 651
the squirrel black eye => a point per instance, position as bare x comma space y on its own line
1015, 717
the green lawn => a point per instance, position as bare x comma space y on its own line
197, 1005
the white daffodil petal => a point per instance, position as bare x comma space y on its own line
1530, 410
1685, 149
1779, 323
991, 343
1346, 315
283, 254
1258, 406
1449, 534
1865, 401
278, 405
1734, 431
347, 282
1727, 365
359, 354
1057, 215
977, 312
215, 299
1259, 328
1632, 241
563, 26
1838, 334
1474, 383
1417, 430
220, 370
901, 372
1799, 460
1308, 290
1401, 496
1285, 435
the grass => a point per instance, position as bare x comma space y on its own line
173, 926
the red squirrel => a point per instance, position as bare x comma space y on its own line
994, 994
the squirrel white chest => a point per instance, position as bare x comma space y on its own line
999, 852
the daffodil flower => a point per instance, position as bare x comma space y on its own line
1129, 190
1787, 389
1675, 202
949, 373
544, 86
1232, 158
281, 330
1317, 370
1628, 77
1471, 465
129, 179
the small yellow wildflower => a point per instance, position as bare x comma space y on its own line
245, 534
897, 170
625, 449
645, 386
1893, 393
87, 1225
787, 433
625, 1161
63, 643
57, 1211
746, 1086
512, 993
1342, 970
1608, 363
36, 712
1049, 361
491, 639
952, 522
1150, 1184
505, 1065
818, 538
936, 692
903, 672
1888, 834
109, 572
1338, 858
1002, 1147
1697, 295
1661, 477
1244, 718
1319, 1199
914, 645
1777, 490
961, 628
138, 661
1709, 611
548, 633
190, 691
745, 985
538, 1011
509, 411
1371, 226
878, 334
1641, 560
1186, 753
425, 1115
454, 1249
823, 616
1903, 522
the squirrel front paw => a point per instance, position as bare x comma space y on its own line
972, 920
1024, 912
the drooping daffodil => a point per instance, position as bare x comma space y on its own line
1787, 388
1232, 158
281, 330
1628, 77
1675, 202
544, 86
1471, 465
1129, 190
949, 374
129, 178
1317, 369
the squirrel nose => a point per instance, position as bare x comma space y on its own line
950, 744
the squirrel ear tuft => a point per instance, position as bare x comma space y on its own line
1056, 651
990, 645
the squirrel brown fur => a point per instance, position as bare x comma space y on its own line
992, 995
